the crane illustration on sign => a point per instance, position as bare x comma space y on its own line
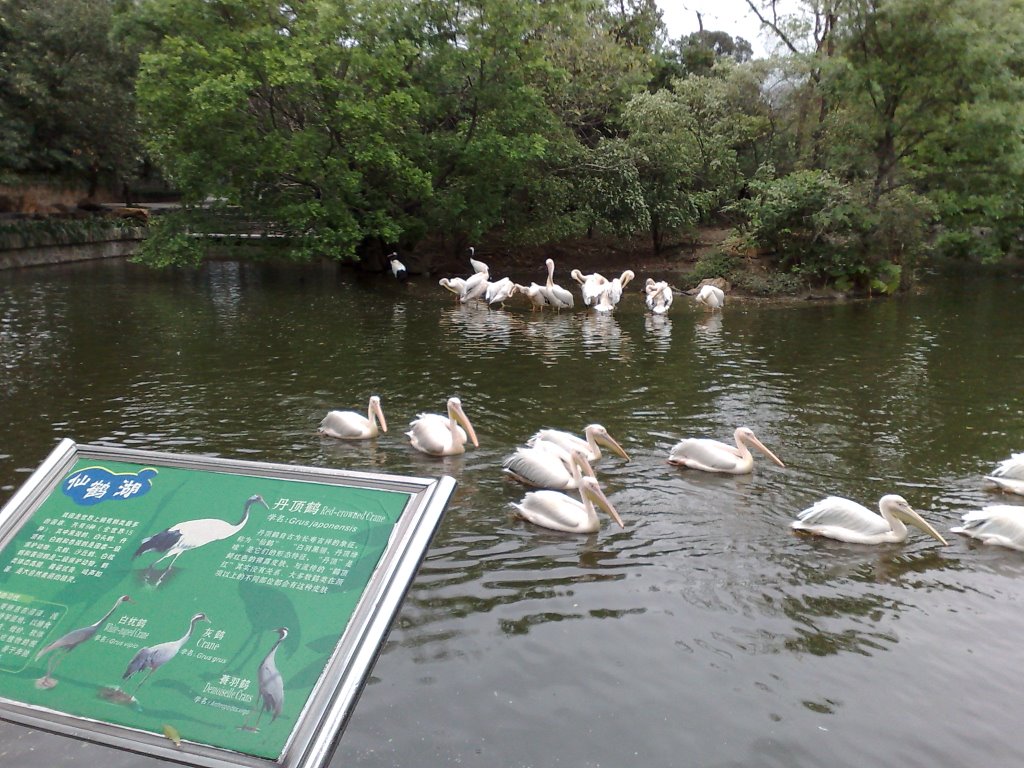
151, 658
271, 686
190, 534
62, 646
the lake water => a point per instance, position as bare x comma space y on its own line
705, 633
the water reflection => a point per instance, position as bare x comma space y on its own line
601, 333
658, 328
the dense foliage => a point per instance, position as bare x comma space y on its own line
881, 131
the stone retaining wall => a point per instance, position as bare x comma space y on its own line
59, 250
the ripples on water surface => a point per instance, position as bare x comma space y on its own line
702, 634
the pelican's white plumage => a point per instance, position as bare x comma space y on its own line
711, 296
454, 284
546, 465
591, 286
397, 268
845, 520
557, 296
438, 435
999, 524
535, 293
349, 425
476, 286
589, 445
659, 296
499, 291
560, 512
1009, 475
715, 456
612, 293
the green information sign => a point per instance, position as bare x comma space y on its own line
203, 610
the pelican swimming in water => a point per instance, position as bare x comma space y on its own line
714, 456
659, 296
594, 436
845, 520
591, 286
349, 425
1009, 475
438, 435
999, 524
560, 512
711, 296
454, 284
535, 293
546, 465
557, 296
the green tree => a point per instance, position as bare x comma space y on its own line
66, 104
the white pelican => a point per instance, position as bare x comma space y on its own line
547, 465
659, 296
397, 268
476, 264
711, 296
499, 291
442, 436
592, 285
551, 509
557, 296
454, 284
589, 445
476, 286
535, 293
1009, 475
1000, 524
845, 520
612, 293
715, 456
349, 425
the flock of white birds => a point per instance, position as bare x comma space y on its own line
555, 461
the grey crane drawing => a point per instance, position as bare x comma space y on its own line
155, 656
62, 646
190, 534
271, 685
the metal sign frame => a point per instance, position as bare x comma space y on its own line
320, 724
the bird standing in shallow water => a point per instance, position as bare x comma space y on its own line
182, 537
62, 646
397, 268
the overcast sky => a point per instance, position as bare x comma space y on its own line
732, 16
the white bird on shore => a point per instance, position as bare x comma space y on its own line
658, 296
560, 512
437, 435
711, 296
546, 465
349, 425
715, 456
594, 435
1009, 475
557, 296
845, 520
1000, 524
